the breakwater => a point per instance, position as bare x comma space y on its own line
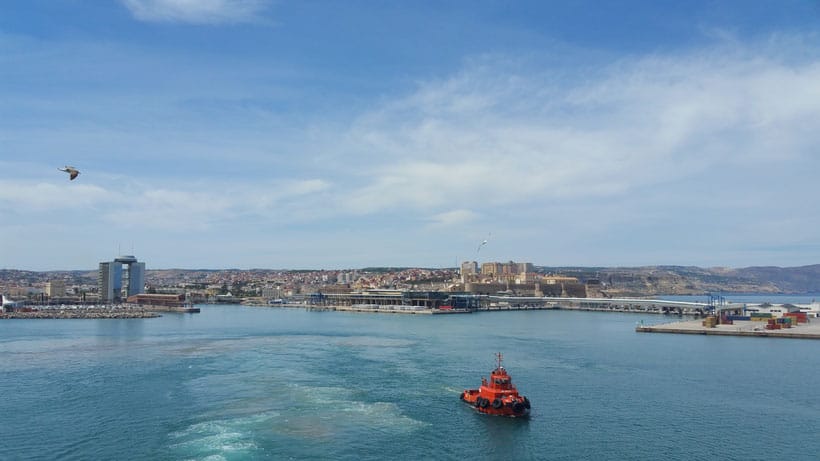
82, 313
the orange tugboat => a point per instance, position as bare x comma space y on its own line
498, 396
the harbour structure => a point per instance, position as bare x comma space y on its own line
121, 278
392, 299
163, 302
796, 327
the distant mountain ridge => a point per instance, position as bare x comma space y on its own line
649, 280
804, 279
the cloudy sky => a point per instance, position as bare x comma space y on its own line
309, 134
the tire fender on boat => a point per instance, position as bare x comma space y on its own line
484, 403
497, 403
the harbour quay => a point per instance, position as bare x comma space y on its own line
756, 328
393, 301
395, 309
440, 302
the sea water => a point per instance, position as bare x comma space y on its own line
238, 383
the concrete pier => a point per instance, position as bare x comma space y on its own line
809, 330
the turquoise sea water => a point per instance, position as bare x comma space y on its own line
241, 383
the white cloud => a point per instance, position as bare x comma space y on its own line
196, 11
171, 210
22, 196
453, 218
501, 133
201, 206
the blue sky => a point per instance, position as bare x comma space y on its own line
285, 134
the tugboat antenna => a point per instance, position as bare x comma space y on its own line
498, 356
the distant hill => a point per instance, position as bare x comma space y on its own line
804, 279
651, 280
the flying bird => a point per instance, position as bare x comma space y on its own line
483, 243
72, 172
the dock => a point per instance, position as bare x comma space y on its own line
376, 309
809, 330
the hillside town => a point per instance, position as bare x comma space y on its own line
260, 285
511, 278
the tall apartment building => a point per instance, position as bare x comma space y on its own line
506, 271
524, 268
118, 279
469, 267
55, 288
491, 268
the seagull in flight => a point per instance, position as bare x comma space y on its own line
483, 243
72, 172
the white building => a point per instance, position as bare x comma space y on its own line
777, 310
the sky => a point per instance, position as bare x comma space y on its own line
332, 135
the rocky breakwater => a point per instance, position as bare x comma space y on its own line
81, 313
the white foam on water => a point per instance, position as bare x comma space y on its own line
304, 412
214, 458
245, 409
335, 407
215, 438
381, 415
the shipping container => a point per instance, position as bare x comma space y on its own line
739, 317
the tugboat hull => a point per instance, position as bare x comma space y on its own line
512, 406
498, 396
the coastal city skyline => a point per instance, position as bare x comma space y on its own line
290, 135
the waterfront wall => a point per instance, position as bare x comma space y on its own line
81, 313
